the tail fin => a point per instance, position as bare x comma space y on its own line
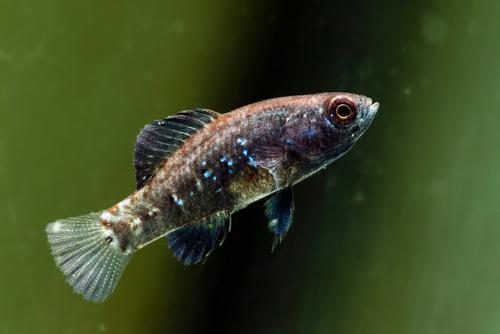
92, 265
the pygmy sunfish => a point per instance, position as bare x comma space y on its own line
194, 169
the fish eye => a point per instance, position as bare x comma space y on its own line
341, 110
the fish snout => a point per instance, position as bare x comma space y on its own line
373, 108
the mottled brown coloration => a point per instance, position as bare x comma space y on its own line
114, 209
121, 226
259, 177
106, 223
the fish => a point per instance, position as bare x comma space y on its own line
195, 169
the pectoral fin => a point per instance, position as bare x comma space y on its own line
279, 210
192, 243
280, 161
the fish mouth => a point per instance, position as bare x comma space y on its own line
373, 109
369, 111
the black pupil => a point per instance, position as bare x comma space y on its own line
343, 111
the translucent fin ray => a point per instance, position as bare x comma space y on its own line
274, 159
92, 265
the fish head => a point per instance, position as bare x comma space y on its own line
329, 124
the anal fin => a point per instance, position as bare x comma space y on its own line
194, 242
279, 210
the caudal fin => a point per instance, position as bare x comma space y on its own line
92, 265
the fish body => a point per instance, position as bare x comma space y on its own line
194, 169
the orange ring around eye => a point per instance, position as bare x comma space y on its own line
343, 115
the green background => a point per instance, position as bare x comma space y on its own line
399, 236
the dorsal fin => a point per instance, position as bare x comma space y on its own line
158, 140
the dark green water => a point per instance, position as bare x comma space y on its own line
399, 236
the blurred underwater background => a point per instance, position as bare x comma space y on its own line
399, 236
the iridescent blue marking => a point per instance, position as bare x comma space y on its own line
218, 190
223, 159
329, 123
204, 163
207, 174
230, 163
192, 194
198, 183
250, 158
177, 200
230, 171
215, 177
245, 152
241, 141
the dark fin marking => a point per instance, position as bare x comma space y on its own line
194, 242
92, 264
279, 211
158, 140
203, 115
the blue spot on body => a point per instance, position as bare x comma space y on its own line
204, 163
230, 171
192, 194
245, 152
223, 159
230, 163
250, 158
241, 141
198, 183
178, 201
207, 174
219, 190
215, 177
